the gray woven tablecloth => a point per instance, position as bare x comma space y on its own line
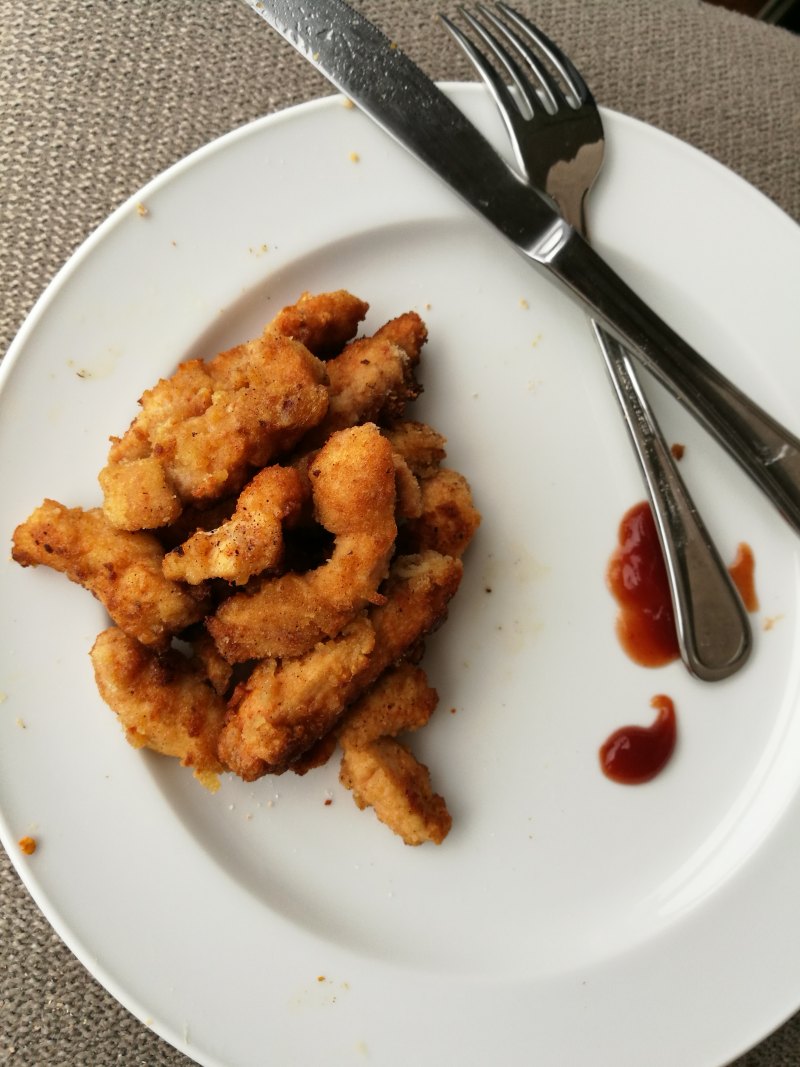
98, 96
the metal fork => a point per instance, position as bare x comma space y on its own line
557, 135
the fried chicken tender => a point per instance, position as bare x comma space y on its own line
353, 487
276, 542
162, 702
422, 448
210, 424
400, 700
381, 772
409, 494
408, 332
138, 495
448, 519
121, 569
274, 720
385, 776
324, 322
251, 541
205, 654
194, 518
285, 706
372, 379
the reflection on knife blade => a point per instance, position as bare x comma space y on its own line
361, 61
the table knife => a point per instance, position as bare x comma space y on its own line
375, 74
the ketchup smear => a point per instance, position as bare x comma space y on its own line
742, 571
635, 754
637, 577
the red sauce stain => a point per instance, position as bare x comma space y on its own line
636, 754
637, 577
743, 572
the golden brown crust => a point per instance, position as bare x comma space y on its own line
420, 445
409, 494
286, 707
400, 700
323, 322
162, 702
353, 488
417, 594
408, 332
122, 569
139, 495
385, 776
447, 520
371, 380
251, 541
317, 646
205, 655
212, 423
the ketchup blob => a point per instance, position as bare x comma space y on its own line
637, 578
743, 573
636, 754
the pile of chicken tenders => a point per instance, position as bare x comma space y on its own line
276, 540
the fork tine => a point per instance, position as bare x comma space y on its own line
504, 57
561, 62
506, 104
552, 91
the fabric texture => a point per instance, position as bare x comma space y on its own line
98, 96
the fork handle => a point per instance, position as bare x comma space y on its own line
713, 629
767, 451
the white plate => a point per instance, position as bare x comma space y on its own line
565, 920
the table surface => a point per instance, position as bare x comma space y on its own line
98, 96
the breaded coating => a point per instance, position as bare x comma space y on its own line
400, 700
212, 422
385, 776
138, 494
276, 542
324, 322
194, 518
448, 519
407, 487
417, 593
285, 706
251, 541
353, 489
420, 446
382, 773
408, 332
372, 380
121, 569
205, 654
275, 721
162, 701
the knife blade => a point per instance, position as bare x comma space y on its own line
361, 61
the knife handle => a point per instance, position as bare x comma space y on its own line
711, 622
767, 451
